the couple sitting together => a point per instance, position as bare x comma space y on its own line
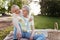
24, 24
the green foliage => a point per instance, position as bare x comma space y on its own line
11, 2
3, 33
50, 8
25, 2
16, 2
2, 9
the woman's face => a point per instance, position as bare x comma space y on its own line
25, 12
12, 10
17, 11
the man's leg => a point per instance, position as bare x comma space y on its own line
39, 37
26, 35
15, 39
23, 35
15, 31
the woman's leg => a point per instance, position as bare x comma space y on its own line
39, 37
15, 31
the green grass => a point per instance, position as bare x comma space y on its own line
4, 32
44, 22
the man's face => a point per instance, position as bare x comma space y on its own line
25, 12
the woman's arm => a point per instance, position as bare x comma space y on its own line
15, 23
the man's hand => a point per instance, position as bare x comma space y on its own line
31, 38
19, 35
30, 19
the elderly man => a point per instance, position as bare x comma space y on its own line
29, 21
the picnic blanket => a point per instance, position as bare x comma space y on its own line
10, 35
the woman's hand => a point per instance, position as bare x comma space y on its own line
31, 38
19, 35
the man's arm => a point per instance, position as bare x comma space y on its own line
32, 27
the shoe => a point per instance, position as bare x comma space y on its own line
15, 39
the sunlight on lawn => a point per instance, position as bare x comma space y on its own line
4, 32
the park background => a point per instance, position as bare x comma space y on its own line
50, 13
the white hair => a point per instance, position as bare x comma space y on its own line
15, 7
26, 7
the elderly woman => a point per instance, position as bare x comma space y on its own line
16, 13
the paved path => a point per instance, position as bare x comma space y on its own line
5, 22
5, 18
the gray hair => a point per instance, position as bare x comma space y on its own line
26, 7
15, 7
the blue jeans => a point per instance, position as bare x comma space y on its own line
27, 35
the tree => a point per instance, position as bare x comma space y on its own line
2, 9
25, 2
16, 2
50, 8
10, 3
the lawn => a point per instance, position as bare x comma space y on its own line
44, 22
41, 22
3, 33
